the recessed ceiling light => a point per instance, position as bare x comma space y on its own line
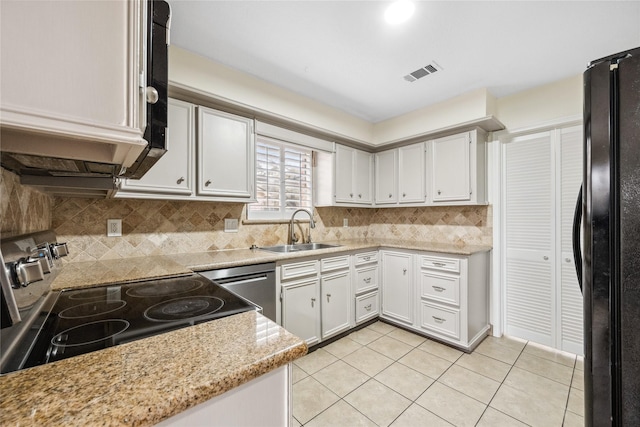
399, 11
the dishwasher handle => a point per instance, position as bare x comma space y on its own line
241, 280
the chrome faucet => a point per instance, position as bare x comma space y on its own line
293, 237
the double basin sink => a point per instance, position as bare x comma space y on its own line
298, 248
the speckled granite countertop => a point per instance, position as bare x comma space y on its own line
143, 382
146, 381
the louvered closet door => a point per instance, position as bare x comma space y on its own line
570, 297
529, 245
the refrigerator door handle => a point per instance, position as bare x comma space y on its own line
577, 225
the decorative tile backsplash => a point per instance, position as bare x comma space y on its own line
22, 209
153, 227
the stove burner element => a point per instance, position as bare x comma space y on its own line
90, 333
183, 308
163, 289
91, 309
94, 293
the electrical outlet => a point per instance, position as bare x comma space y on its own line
345, 222
231, 225
114, 227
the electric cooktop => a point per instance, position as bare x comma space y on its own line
85, 320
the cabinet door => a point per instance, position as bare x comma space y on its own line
335, 295
397, 294
411, 160
451, 167
386, 177
173, 173
344, 174
225, 148
362, 177
301, 310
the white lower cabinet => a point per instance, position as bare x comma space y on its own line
450, 296
316, 297
301, 309
397, 286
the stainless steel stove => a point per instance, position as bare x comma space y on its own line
59, 325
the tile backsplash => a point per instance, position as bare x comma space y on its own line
22, 209
153, 227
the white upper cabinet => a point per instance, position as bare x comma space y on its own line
173, 173
353, 176
225, 154
386, 177
458, 165
221, 146
71, 71
411, 170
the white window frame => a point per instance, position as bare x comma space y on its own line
284, 212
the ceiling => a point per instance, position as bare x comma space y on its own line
343, 53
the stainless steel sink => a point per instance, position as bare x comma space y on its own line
298, 248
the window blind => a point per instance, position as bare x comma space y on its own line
283, 179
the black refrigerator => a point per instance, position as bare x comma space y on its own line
610, 235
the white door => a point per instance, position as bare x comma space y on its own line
225, 161
335, 300
301, 310
397, 286
411, 170
450, 167
528, 234
542, 176
570, 297
387, 177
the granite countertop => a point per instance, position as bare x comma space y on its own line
146, 381
143, 382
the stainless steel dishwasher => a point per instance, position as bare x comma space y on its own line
255, 283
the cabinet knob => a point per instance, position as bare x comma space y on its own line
546, 258
350, 194
360, 196
313, 300
328, 296
180, 180
567, 259
208, 183
439, 192
390, 195
404, 271
404, 194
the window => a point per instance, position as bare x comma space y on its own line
283, 179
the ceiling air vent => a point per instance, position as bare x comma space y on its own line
424, 71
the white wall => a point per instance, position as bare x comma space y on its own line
543, 104
189, 69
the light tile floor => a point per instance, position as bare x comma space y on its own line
382, 375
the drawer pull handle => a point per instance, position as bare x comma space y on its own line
439, 319
438, 288
180, 180
367, 280
439, 264
367, 307
366, 258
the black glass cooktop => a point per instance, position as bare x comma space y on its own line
82, 321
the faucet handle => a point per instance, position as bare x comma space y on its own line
294, 238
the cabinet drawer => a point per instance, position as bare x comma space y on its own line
334, 263
441, 287
366, 306
298, 269
366, 257
445, 321
366, 278
440, 263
